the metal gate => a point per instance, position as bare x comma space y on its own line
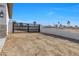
24, 27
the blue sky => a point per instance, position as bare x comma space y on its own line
46, 13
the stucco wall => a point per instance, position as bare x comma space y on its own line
3, 20
8, 22
3, 8
10, 26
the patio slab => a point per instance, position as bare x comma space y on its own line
2, 41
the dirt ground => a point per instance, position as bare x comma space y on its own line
36, 44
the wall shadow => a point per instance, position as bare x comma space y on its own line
62, 37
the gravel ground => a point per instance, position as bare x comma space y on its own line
36, 44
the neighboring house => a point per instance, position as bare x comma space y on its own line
5, 19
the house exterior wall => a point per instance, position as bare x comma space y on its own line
5, 22
9, 26
8, 21
3, 8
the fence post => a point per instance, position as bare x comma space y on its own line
13, 27
38, 28
27, 27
